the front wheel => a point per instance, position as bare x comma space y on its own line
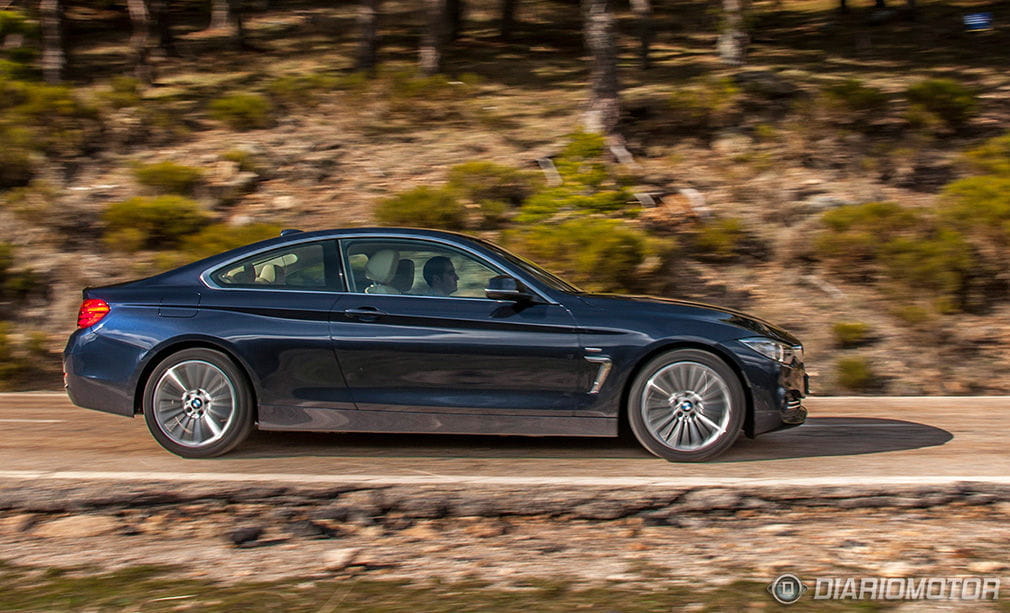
686, 406
197, 404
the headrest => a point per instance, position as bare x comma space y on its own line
403, 280
268, 274
381, 267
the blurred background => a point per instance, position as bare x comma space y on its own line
842, 169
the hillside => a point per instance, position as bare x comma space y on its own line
756, 187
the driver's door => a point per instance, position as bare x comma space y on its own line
402, 347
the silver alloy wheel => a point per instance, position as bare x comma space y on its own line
194, 403
686, 406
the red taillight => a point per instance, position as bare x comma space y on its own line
92, 311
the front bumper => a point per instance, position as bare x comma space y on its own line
777, 393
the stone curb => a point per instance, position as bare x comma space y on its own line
658, 505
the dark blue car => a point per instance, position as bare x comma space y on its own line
396, 330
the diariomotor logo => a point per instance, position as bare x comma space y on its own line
787, 588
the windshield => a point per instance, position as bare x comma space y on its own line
531, 269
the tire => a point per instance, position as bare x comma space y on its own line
197, 404
686, 406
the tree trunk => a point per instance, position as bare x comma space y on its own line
643, 19
604, 108
433, 40
732, 45
880, 4
220, 14
236, 8
368, 46
454, 11
843, 6
140, 40
162, 21
54, 59
508, 18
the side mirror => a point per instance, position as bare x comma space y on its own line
504, 287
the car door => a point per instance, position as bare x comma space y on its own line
274, 309
403, 346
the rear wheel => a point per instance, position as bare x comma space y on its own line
197, 404
686, 406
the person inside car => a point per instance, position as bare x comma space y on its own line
440, 275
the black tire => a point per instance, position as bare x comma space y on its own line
197, 404
675, 421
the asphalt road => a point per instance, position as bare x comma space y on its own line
846, 440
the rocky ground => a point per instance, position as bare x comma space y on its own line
697, 540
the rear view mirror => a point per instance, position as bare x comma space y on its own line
504, 287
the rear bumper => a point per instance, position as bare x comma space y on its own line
92, 390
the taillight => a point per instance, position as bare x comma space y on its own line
92, 311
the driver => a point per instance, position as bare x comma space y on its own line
440, 275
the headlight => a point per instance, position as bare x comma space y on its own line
780, 352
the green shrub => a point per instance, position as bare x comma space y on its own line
940, 263
979, 207
300, 90
35, 203
168, 177
856, 374
19, 69
598, 254
705, 104
850, 333
588, 186
992, 157
15, 22
480, 181
721, 239
946, 99
123, 92
856, 97
433, 98
152, 223
16, 164
23, 365
423, 207
58, 121
243, 111
914, 315
851, 245
246, 161
913, 253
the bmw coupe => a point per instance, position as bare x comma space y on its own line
421, 331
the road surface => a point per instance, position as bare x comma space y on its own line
855, 440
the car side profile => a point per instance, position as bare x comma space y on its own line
421, 331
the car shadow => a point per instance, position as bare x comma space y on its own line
820, 436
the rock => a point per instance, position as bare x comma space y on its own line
245, 535
420, 532
486, 529
336, 560
708, 500
987, 567
766, 83
896, 569
310, 529
817, 204
77, 526
729, 142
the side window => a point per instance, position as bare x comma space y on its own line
296, 267
417, 268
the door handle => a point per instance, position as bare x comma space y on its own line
365, 313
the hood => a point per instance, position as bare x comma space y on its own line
688, 308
